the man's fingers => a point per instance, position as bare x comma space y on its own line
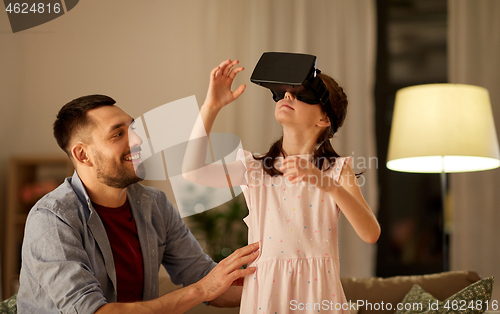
244, 251
234, 267
245, 259
242, 273
247, 249
238, 263
239, 274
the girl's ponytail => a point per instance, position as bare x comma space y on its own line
269, 158
325, 153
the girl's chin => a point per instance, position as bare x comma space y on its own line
283, 118
286, 121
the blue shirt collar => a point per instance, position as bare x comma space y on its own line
79, 189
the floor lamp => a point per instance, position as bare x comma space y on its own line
443, 128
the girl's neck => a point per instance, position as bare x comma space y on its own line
298, 142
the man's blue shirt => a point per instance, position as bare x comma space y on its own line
67, 262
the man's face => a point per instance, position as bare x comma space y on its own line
115, 147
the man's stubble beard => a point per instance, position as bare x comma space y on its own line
120, 177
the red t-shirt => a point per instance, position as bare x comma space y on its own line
122, 233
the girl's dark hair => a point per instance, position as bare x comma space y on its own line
325, 152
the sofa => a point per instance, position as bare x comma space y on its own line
393, 289
372, 290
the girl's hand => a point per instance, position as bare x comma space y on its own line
300, 169
219, 91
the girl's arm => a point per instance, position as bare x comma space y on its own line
345, 191
348, 197
194, 167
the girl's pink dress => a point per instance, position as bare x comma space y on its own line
296, 224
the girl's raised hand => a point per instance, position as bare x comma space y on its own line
221, 78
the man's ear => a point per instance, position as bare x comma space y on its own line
324, 122
80, 154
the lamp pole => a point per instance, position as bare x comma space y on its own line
444, 233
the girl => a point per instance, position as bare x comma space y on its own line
294, 194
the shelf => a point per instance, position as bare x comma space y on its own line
30, 177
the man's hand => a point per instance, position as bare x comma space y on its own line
228, 272
225, 274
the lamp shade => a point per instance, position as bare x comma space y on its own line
443, 128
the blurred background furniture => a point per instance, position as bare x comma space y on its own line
393, 289
29, 179
9, 306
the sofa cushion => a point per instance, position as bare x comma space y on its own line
373, 291
9, 306
472, 299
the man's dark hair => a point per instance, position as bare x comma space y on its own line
73, 117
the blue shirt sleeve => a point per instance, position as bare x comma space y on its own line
56, 264
183, 258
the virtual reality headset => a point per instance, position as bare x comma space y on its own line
295, 73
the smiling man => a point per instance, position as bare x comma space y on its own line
95, 244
